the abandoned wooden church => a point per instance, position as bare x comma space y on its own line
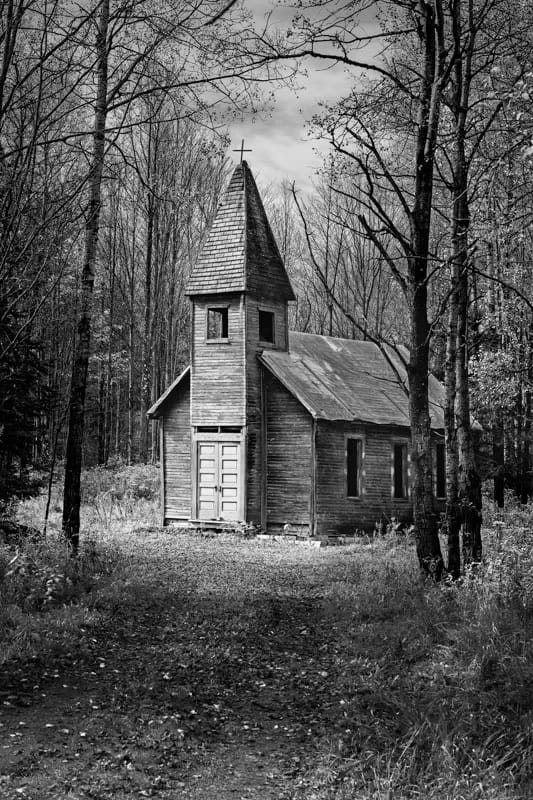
296, 432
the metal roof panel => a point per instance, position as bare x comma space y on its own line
344, 379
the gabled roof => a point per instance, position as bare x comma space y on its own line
158, 407
240, 253
342, 379
339, 380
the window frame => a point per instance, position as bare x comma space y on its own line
272, 316
354, 437
223, 309
406, 474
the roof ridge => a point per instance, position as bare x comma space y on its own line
245, 172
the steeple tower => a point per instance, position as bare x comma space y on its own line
239, 292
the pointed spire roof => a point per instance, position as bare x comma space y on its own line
241, 254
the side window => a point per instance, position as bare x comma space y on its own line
400, 489
217, 323
440, 470
266, 326
354, 467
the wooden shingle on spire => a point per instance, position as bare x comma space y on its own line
241, 254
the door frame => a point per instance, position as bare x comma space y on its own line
219, 436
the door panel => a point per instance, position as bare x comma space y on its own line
228, 481
218, 483
207, 480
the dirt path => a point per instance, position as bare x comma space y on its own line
214, 678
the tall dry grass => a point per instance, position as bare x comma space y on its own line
438, 696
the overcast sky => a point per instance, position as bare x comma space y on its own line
281, 144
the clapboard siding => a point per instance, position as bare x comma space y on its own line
218, 368
337, 513
177, 455
289, 458
255, 456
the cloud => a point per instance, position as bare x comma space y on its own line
282, 146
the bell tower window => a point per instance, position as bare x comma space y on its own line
266, 326
217, 323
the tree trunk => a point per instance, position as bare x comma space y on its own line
108, 426
101, 413
525, 466
498, 456
117, 421
469, 481
424, 516
453, 514
147, 354
78, 386
131, 344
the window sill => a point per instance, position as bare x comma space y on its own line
217, 341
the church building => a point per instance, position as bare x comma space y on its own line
299, 433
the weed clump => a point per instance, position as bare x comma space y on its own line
441, 707
121, 483
120, 493
43, 589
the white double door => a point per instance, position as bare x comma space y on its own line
218, 480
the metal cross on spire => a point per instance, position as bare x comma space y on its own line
241, 150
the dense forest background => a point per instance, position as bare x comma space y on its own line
113, 157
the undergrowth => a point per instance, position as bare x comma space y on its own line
118, 495
442, 706
47, 598
45, 595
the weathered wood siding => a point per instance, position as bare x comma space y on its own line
177, 455
289, 459
218, 368
255, 456
335, 512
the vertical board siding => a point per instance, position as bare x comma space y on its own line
218, 368
289, 458
177, 456
255, 458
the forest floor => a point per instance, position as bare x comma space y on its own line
233, 668
214, 678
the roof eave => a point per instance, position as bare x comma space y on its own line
203, 292
155, 411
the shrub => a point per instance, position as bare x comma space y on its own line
40, 583
122, 483
35, 575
